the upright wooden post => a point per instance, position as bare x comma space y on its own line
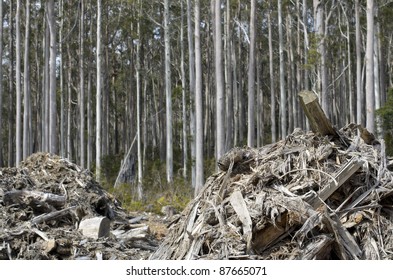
319, 123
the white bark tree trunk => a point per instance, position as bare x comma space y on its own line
98, 92
220, 99
283, 95
359, 88
191, 59
272, 81
52, 79
82, 86
251, 80
370, 94
1, 85
18, 137
26, 87
168, 93
198, 102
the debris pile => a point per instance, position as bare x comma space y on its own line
325, 194
51, 208
305, 197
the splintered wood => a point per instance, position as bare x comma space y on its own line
51, 208
309, 196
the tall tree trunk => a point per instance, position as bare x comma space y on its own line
11, 113
359, 87
220, 99
26, 87
52, 79
18, 87
370, 94
229, 80
183, 86
69, 103
61, 78
1, 85
45, 90
322, 71
191, 63
82, 86
90, 136
198, 102
283, 95
138, 106
272, 81
168, 94
98, 92
251, 80
305, 47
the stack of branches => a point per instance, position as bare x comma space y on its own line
50, 208
309, 196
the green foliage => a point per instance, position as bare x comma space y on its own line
313, 55
386, 115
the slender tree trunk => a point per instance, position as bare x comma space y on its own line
305, 47
18, 139
283, 95
1, 85
272, 82
220, 99
229, 80
69, 104
98, 92
11, 113
45, 91
370, 94
251, 80
61, 74
82, 86
90, 136
191, 59
198, 102
168, 93
359, 87
52, 79
183, 84
26, 87
138, 107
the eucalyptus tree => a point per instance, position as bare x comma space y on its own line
1, 84
98, 91
18, 117
220, 97
26, 86
369, 60
198, 101
52, 78
251, 80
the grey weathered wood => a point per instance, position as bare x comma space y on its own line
240, 207
37, 197
95, 227
52, 215
341, 176
319, 123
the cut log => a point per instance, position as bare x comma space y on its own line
34, 197
95, 227
52, 215
319, 123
